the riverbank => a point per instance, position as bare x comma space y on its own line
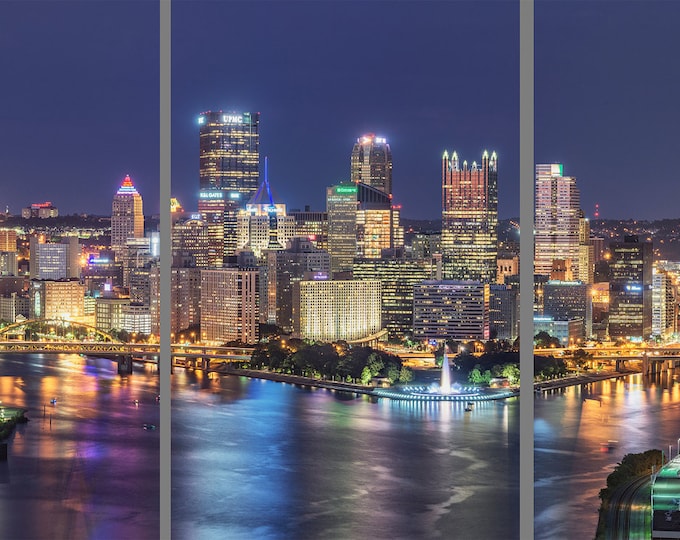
583, 378
9, 418
304, 381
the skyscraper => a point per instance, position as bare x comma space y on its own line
371, 163
630, 289
469, 218
127, 216
229, 163
556, 219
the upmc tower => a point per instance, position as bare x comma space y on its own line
229, 171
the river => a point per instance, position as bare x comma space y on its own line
266, 460
83, 467
571, 465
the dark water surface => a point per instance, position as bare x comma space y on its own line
257, 459
571, 465
85, 467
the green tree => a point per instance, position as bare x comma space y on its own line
405, 375
366, 375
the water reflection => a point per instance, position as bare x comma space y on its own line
293, 462
582, 432
83, 467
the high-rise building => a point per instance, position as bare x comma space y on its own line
450, 309
469, 218
586, 251
663, 304
263, 227
229, 162
127, 216
331, 310
57, 299
371, 163
8, 240
503, 311
556, 219
341, 205
630, 289
567, 300
284, 268
397, 276
311, 225
362, 222
230, 305
54, 260
191, 245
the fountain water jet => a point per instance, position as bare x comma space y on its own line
445, 381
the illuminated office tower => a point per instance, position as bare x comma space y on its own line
229, 145
569, 300
54, 260
286, 267
362, 222
127, 216
586, 251
663, 304
341, 205
469, 218
57, 299
630, 289
451, 309
230, 305
263, 227
8, 240
326, 310
311, 225
191, 245
212, 208
397, 276
556, 219
371, 163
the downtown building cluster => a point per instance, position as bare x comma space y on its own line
586, 288
243, 260
101, 278
343, 273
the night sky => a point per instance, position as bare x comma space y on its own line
80, 96
428, 76
607, 102
79, 106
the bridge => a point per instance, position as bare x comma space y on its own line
651, 360
196, 356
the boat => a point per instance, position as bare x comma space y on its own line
149, 427
53, 401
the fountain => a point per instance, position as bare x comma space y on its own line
445, 390
445, 380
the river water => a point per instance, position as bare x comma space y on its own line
84, 467
571, 465
263, 460
256, 459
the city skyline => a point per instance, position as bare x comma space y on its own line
340, 70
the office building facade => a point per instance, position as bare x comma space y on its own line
469, 218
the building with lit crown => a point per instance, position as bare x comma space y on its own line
127, 216
371, 163
264, 227
469, 218
229, 161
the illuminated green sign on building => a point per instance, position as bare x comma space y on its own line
346, 189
